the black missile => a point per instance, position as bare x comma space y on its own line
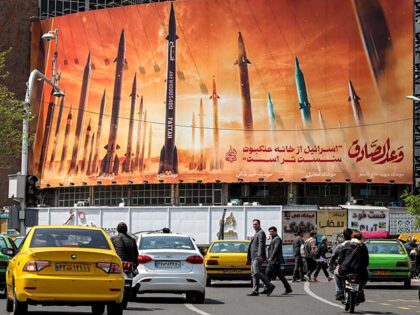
66, 139
127, 164
137, 156
80, 115
89, 168
47, 133
242, 63
85, 147
168, 162
110, 163
57, 132
98, 134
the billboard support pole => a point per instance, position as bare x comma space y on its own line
25, 132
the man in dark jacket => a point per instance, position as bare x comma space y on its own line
125, 245
354, 259
298, 272
256, 256
275, 259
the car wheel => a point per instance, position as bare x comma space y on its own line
19, 308
98, 309
115, 309
208, 282
196, 297
407, 283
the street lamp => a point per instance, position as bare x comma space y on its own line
51, 35
413, 98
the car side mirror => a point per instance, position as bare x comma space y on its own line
8, 251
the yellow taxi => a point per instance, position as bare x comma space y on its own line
65, 265
227, 260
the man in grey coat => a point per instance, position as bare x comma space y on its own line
256, 256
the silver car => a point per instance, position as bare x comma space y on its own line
170, 263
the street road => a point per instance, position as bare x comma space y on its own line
229, 298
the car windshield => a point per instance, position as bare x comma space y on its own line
385, 248
229, 247
69, 238
166, 242
288, 250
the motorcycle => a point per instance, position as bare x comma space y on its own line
351, 292
129, 292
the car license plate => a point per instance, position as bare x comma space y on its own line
232, 270
352, 286
72, 267
167, 264
382, 273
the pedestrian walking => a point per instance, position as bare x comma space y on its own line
298, 273
321, 260
310, 249
275, 259
256, 256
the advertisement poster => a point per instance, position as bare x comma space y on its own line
272, 89
294, 221
331, 223
369, 220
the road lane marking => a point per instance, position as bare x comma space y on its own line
404, 308
307, 289
309, 292
195, 310
386, 304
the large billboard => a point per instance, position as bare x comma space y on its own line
204, 90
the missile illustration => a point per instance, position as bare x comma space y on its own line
66, 139
140, 122
168, 162
201, 162
355, 105
89, 168
304, 105
216, 164
271, 114
149, 148
80, 115
321, 119
110, 163
242, 63
85, 147
374, 33
47, 132
143, 144
127, 164
57, 131
192, 164
95, 162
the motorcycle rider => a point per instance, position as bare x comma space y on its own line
354, 258
125, 245
347, 233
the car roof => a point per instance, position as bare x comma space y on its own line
383, 240
230, 241
163, 234
67, 227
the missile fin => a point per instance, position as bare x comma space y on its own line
236, 62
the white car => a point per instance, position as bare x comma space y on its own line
170, 263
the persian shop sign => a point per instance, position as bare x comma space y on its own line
369, 220
171, 108
294, 221
331, 223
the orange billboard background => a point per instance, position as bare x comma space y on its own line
325, 37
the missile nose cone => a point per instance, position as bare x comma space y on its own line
297, 63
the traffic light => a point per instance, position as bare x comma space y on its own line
32, 192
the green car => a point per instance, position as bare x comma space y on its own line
5, 242
388, 261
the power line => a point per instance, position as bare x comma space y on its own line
259, 130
